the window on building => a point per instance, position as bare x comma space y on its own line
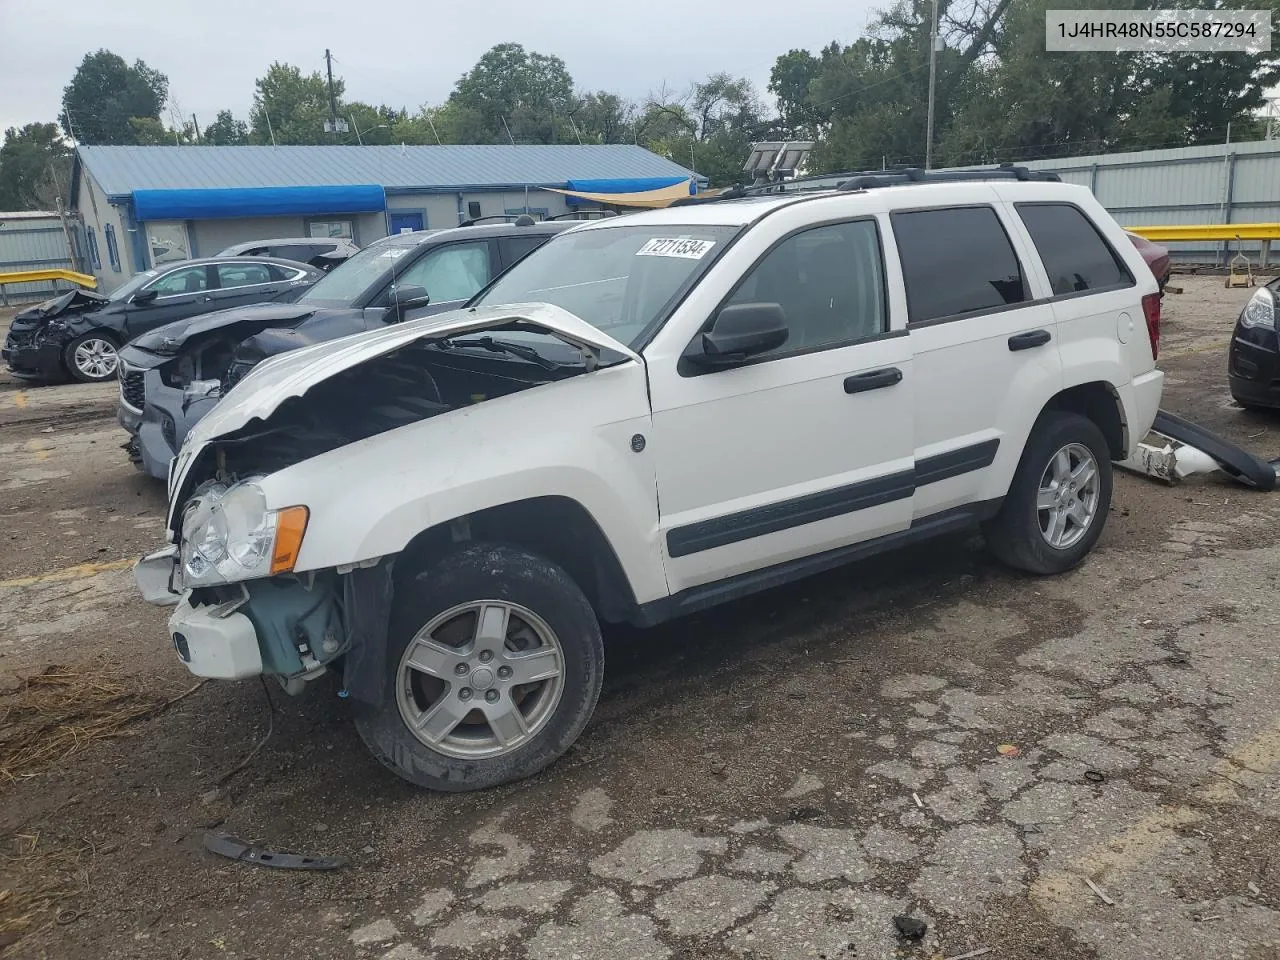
956, 261
242, 274
1074, 254
829, 282
113, 251
473, 209
330, 228
94, 258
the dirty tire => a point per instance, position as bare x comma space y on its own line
101, 345
489, 571
1014, 535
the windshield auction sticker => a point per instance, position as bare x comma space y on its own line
1166, 31
685, 249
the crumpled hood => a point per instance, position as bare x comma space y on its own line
73, 301
171, 337
292, 374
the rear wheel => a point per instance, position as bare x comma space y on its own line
91, 357
496, 661
1057, 504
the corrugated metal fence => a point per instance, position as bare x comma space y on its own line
32, 241
1231, 183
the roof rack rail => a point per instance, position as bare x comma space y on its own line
850, 180
889, 178
585, 215
520, 219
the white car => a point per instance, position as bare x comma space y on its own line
647, 416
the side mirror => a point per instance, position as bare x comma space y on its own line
404, 299
143, 297
740, 331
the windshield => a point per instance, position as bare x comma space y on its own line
346, 283
618, 279
126, 289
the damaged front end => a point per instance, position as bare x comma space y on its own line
170, 378
33, 346
246, 599
265, 621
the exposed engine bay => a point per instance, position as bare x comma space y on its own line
415, 382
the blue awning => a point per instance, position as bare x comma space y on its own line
231, 202
623, 185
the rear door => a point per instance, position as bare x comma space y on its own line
180, 293
242, 282
985, 348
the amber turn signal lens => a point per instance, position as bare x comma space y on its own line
291, 524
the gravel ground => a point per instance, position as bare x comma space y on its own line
778, 778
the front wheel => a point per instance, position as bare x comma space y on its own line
495, 660
1058, 502
91, 357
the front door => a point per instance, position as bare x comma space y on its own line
801, 450
451, 274
180, 293
405, 222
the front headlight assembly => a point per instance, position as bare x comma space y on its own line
229, 535
1260, 311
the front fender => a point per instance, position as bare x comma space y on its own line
569, 439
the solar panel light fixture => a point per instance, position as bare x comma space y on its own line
772, 161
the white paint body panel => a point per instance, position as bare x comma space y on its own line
725, 441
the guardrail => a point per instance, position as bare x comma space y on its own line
1266, 232
35, 276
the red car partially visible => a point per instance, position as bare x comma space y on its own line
1157, 257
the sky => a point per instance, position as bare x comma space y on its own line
398, 52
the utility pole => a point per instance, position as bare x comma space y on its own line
196, 125
933, 79
333, 100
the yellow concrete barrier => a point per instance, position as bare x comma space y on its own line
34, 276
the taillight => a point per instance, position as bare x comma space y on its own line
1151, 309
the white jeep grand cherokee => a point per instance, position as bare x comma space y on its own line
658, 413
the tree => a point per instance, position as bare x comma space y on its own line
106, 93
291, 108
790, 79
35, 164
602, 117
513, 95
226, 130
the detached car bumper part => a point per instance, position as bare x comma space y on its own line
277, 626
215, 643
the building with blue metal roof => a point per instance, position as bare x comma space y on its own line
143, 205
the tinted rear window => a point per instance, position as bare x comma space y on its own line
1074, 254
956, 261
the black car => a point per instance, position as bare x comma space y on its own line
78, 334
1253, 363
173, 376
320, 252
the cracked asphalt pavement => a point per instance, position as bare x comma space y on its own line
1085, 766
